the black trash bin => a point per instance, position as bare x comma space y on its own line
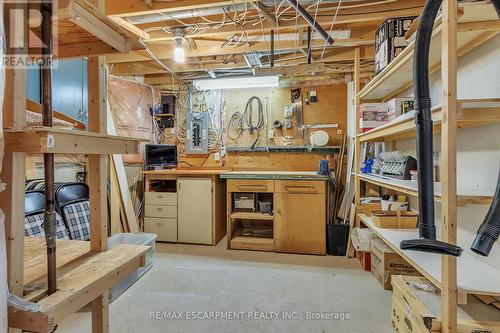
336, 239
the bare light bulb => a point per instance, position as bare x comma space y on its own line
179, 54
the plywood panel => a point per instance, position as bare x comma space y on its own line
330, 108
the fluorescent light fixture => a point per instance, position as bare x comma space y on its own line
238, 82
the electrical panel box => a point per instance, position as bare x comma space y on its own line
197, 133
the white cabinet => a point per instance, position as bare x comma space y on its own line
194, 210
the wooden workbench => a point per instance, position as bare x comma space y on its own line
185, 205
297, 223
83, 275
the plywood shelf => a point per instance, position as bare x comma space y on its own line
397, 76
252, 216
64, 141
464, 195
429, 264
88, 277
252, 243
472, 112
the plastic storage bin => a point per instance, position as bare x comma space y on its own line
135, 239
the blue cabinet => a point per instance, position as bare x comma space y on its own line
69, 88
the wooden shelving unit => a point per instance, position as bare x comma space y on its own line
252, 216
459, 30
85, 270
397, 76
429, 264
472, 112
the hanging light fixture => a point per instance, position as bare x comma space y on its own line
179, 54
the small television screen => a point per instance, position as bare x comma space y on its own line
160, 155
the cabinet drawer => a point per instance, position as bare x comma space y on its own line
250, 185
160, 211
165, 229
300, 186
161, 198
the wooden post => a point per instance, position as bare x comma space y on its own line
97, 176
449, 295
357, 145
13, 174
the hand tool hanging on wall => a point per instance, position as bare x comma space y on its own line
427, 228
48, 158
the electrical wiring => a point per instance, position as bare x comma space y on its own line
331, 28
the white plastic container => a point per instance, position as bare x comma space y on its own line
134, 239
360, 238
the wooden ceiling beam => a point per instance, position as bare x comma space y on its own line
205, 48
340, 23
152, 67
124, 8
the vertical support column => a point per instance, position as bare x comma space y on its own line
357, 144
97, 179
448, 169
13, 174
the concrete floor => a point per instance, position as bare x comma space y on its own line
252, 285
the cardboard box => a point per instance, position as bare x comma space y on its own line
416, 307
376, 107
367, 205
385, 263
390, 41
369, 124
399, 106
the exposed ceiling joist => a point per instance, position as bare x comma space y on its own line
152, 67
125, 8
206, 49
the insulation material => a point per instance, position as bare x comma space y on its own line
130, 103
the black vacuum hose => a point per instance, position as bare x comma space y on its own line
489, 230
423, 120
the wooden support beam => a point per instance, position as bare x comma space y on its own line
265, 12
288, 70
448, 176
129, 26
357, 144
125, 8
13, 171
97, 176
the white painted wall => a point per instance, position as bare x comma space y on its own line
478, 156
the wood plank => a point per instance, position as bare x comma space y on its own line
252, 216
37, 108
117, 161
97, 164
81, 285
357, 144
13, 174
448, 175
64, 141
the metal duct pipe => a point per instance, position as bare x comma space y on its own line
427, 228
302, 11
48, 159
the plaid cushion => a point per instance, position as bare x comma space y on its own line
33, 227
77, 216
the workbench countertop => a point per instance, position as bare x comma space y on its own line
288, 175
186, 172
